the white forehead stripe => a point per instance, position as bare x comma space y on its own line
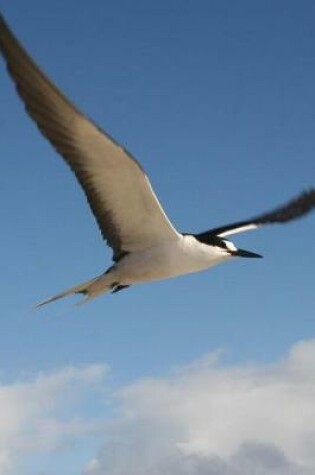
230, 246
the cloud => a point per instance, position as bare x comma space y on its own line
209, 419
204, 419
32, 412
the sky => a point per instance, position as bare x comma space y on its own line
211, 373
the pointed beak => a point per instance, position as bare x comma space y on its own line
242, 253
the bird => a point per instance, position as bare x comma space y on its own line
146, 246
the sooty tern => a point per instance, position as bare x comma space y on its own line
145, 244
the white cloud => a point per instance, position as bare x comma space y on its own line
32, 416
208, 419
204, 419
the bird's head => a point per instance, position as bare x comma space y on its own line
223, 247
230, 248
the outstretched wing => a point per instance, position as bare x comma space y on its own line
119, 193
296, 208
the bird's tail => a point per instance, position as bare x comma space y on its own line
91, 289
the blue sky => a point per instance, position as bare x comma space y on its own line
216, 100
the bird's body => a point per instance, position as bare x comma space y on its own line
162, 261
146, 246
168, 259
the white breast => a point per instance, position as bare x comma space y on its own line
169, 259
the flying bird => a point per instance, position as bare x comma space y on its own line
146, 246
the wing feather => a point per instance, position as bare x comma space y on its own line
294, 209
119, 193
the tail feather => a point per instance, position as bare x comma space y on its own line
91, 288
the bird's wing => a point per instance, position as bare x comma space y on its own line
119, 193
296, 208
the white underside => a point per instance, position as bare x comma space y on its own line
170, 259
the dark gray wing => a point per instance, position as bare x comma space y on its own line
119, 193
296, 208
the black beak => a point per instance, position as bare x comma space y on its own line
242, 253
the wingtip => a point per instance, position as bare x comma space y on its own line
2, 20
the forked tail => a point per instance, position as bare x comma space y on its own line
91, 289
